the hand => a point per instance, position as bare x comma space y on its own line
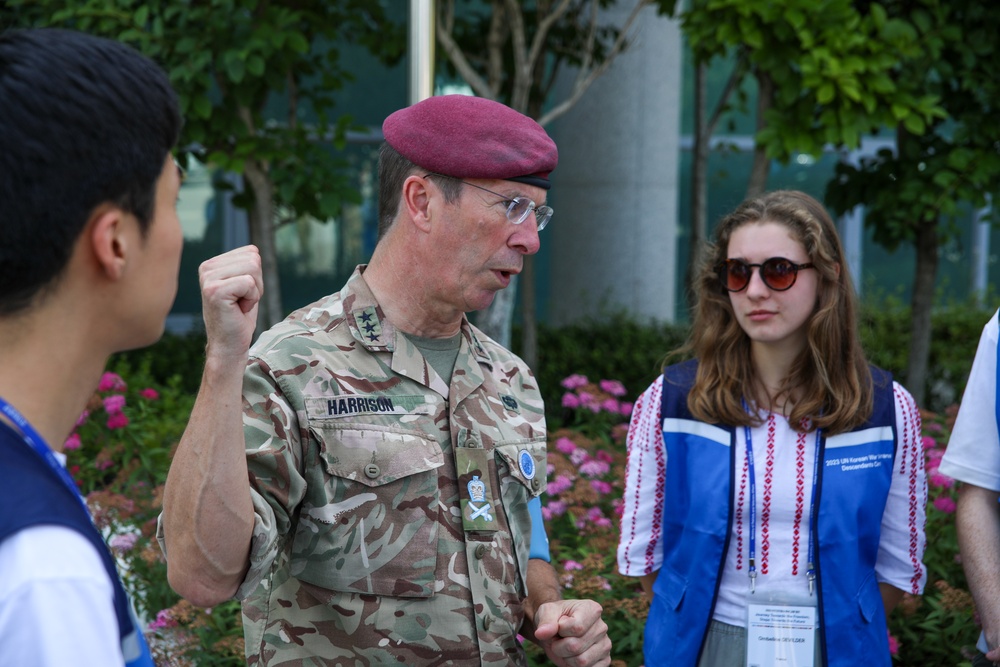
573, 633
231, 288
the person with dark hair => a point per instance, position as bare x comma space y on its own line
89, 257
395, 454
775, 486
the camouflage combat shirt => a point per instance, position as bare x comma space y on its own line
392, 523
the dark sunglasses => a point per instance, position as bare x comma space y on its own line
777, 273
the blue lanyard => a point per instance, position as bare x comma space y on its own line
37, 443
810, 564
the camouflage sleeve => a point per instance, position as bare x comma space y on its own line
274, 463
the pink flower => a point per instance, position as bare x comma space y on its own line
571, 401
601, 487
111, 382
559, 485
893, 644
945, 504
72, 442
625, 408
104, 465
565, 445
613, 387
572, 565
602, 455
163, 620
114, 403
123, 543
928, 442
939, 480
574, 381
610, 405
117, 420
578, 456
553, 509
594, 468
82, 418
149, 393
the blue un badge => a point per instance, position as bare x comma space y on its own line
477, 494
526, 462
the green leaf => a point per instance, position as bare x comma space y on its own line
202, 106
914, 124
825, 93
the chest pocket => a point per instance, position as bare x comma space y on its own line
521, 467
372, 524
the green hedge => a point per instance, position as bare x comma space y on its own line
621, 348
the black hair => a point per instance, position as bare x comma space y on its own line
83, 121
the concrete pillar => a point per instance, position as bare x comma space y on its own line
613, 239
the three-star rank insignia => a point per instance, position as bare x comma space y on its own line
368, 324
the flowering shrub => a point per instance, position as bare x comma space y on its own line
582, 506
119, 453
940, 627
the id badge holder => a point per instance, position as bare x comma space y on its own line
782, 630
478, 502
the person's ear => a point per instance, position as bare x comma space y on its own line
417, 197
108, 239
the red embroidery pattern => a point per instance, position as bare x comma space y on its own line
911, 441
800, 487
740, 500
765, 514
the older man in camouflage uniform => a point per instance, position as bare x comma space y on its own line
395, 453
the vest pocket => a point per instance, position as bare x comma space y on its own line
374, 526
870, 598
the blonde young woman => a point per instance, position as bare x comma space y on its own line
776, 481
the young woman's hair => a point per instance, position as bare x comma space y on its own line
830, 380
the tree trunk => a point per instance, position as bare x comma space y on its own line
761, 163
261, 217
921, 305
699, 182
529, 332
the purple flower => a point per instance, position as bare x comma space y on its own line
164, 619
111, 382
613, 387
601, 487
559, 485
82, 418
574, 381
117, 420
72, 442
939, 480
572, 565
610, 405
553, 509
928, 442
571, 401
594, 468
123, 543
579, 456
113, 404
565, 445
945, 504
625, 409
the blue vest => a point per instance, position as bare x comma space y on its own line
32, 494
698, 510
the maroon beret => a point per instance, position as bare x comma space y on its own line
472, 137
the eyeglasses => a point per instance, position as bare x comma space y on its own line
777, 273
518, 208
